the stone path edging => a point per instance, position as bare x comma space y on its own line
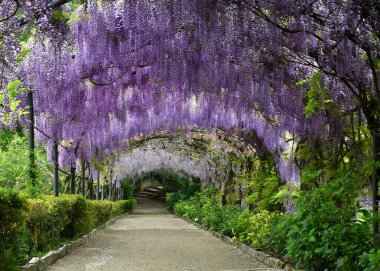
41, 263
257, 254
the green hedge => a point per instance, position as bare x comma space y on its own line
33, 226
240, 224
12, 218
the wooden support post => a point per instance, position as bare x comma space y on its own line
83, 164
72, 178
32, 165
98, 186
91, 187
375, 188
55, 168
110, 191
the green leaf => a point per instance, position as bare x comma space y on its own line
14, 104
370, 166
12, 87
302, 82
66, 143
72, 19
60, 16
377, 64
22, 54
310, 108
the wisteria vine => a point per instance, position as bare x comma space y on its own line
129, 68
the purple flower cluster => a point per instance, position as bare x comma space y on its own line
130, 68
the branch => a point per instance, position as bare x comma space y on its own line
374, 73
47, 136
142, 65
54, 4
105, 84
2, 76
13, 13
149, 42
256, 11
57, 3
69, 174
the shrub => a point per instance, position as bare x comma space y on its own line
370, 261
132, 204
188, 188
241, 224
212, 216
78, 215
35, 225
14, 156
128, 187
172, 199
12, 207
328, 231
127, 205
47, 218
189, 209
101, 210
259, 228
52, 219
278, 239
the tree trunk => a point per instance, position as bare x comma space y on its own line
83, 164
373, 124
55, 169
32, 164
98, 186
375, 187
72, 178
91, 188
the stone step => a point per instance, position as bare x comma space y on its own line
152, 190
137, 195
146, 193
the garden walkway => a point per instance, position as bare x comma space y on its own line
152, 239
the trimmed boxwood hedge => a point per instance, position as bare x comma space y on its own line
12, 219
33, 226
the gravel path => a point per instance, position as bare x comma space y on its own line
153, 239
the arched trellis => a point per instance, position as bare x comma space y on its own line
144, 101
202, 146
215, 157
139, 102
118, 134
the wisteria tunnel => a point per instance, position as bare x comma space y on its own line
264, 116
